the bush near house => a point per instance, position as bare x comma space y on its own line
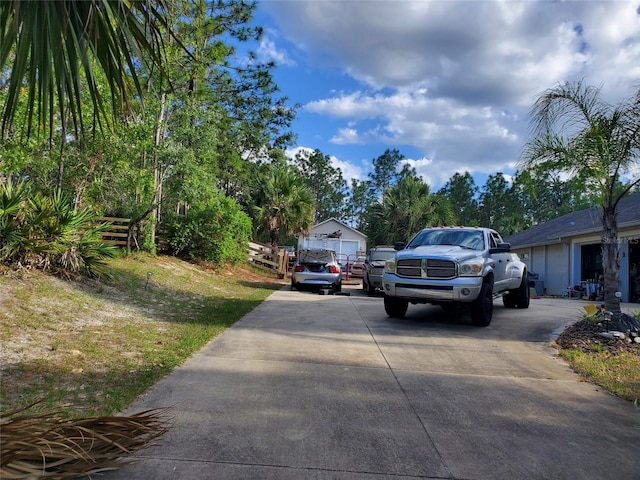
216, 232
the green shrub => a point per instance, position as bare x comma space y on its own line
217, 232
48, 233
12, 236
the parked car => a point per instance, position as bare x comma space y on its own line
374, 267
316, 269
357, 267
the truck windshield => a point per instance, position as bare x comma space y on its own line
472, 240
382, 255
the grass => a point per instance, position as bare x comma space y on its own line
618, 373
89, 348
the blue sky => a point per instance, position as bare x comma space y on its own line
448, 83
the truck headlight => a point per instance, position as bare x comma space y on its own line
471, 269
390, 266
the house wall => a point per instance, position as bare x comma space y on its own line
551, 263
538, 261
560, 265
347, 246
556, 276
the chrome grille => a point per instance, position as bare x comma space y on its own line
426, 268
440, 268
411, 267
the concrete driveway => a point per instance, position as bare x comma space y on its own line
322, 387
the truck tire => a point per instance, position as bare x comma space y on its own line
395, 307
481, 309
370, 290
518, 297
367, 288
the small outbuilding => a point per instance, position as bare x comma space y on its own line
347, 242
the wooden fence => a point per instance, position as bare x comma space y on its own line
268, 257
118, 231
261, 255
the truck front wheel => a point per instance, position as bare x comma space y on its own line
395, 307
481, 309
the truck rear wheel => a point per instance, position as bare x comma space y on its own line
481, 310
518, 297
395, 307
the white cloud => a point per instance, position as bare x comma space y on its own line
348, 169
430, 124
347, 136
268, 52
455, 79
292, 152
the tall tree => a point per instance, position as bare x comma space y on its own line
359, 200
494, 203
386, 171
461, 190
578, 133
212, 113
543, 195
325, 181
221, 111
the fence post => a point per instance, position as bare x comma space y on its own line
283, 260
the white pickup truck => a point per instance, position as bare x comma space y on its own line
450, 266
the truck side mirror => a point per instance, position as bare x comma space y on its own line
398, 245
501, 248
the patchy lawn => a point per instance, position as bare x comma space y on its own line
85, 347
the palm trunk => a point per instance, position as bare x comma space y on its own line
610, 261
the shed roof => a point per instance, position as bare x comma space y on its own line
332, 219
576, 223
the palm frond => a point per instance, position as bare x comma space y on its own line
55, 45
45, 446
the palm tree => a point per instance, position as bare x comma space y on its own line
577, 133
284, 204
53, 47
406, 208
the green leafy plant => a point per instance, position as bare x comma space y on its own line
12, 235
592, 318
48, 233
217, 232
592, 314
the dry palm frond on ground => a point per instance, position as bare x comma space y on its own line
44, 446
